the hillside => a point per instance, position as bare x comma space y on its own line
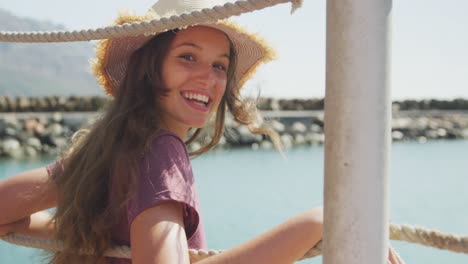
43, 69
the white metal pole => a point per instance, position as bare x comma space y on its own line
357, 131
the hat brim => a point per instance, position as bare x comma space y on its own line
112, 55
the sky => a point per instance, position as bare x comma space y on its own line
429, 56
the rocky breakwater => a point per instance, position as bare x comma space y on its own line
51, 104
33, 134
306, 128
429, 125
36, 126
293, 128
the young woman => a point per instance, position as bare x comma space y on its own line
128, 180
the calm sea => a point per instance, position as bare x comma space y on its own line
244, 193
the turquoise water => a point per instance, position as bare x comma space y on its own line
244, 193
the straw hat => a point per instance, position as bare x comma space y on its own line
110, 65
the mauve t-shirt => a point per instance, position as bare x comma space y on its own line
165, 175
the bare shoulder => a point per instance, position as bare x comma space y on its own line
158, 234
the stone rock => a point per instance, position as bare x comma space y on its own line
299, 139
313, 104
11, 104
431, 134
433, 124
30, 125
10, 144
287, 140
319, 120
12, 122
442, 133
255, 146
397, 135
55, 129
3, 126
315, 138
275, 105
232, 136
40, 129
12, 148
34, 142
314, 128
264, 104
421, 123
57, 117
298, 128
47, 140
42, 104
401, 122
265, 144
222, 141
60, 142
3, 104
48, 150
61, 102
247, 138
11, 132
23, 104
30, 151
446, 124
464, 133
194, 147
277, 126
453, 134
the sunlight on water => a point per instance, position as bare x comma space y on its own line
244, 193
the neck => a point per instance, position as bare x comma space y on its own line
181, 132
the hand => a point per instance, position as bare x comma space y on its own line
393, 257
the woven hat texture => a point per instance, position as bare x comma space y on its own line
110, 65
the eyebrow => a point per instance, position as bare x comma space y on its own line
197, 47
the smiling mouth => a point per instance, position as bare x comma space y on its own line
197, 99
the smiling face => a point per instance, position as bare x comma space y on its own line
195, 73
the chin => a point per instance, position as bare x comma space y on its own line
197, 123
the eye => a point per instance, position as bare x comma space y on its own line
187, 57
220, 67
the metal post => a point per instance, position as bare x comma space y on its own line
357, 130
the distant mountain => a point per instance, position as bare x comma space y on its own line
44, 69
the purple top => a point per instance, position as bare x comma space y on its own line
166, 175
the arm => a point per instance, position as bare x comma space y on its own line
25, 194
283, 244
157, 235
36, 225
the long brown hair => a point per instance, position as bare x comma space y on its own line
106, 158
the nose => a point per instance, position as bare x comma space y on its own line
205, 75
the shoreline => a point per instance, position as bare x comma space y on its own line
33, 134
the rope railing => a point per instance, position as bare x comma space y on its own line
146, 27
412, 234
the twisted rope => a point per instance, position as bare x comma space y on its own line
418, 235
155, 25
430, 238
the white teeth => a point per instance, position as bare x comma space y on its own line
199, 97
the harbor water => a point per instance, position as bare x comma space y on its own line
245, 192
